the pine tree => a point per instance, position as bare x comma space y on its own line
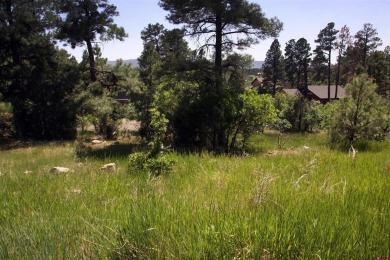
273, 67
290, 61
302, 50
367, 41
83, 21
344, 40
36, 78
225, 25
326, 42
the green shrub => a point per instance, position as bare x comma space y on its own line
138, 160
7, 130
155, 161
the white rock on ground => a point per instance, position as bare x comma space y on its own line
109, 166
60, 169
97, 141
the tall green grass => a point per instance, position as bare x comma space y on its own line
276, 203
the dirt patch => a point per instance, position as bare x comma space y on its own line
129, 125
290, 151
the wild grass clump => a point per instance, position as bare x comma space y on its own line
287, 203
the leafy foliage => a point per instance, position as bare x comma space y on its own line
154, 161
7, 129
254, 113
96, 100
223, 25
361, 115
163, 56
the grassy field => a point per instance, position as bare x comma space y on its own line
277, 203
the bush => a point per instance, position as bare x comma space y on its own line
155, 161
361, 114
7, 129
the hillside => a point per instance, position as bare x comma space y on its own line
134, 63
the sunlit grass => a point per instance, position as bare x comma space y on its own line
277, 203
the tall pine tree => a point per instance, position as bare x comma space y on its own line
225, 25
302, 50
326, 43
290, 62
84, 21
273, 67
367, 41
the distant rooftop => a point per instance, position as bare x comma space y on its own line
322, 91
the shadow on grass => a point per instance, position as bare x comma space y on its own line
111, 150
18, 144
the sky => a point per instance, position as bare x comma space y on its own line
301, 18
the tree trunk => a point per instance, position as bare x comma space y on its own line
218, 53
92, 64
338, 76
274, 80
330, 52
16, 93
305, 78
220, 140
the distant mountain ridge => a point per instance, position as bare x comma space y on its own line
134, 63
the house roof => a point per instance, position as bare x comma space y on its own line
256, 81
322, 91
291, 91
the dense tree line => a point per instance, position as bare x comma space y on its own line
42, 83
355, 55
194, 99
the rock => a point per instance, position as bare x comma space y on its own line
60, 169
78, 191
97, 142
109, 166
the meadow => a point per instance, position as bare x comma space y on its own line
299, 201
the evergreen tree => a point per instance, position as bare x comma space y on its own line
367, 41
83, 21
326, 42
290, 61
378, 68
302, 50
164, 51
361, 114
319, 67
225, 25
344, 40
273, 67
36, 79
